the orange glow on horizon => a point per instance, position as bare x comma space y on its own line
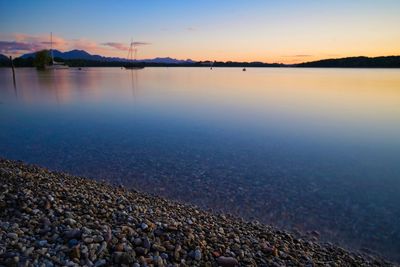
260, 52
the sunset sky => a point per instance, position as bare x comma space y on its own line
285, 31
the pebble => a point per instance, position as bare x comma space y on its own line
73, 234
41, 243
197, 254
100, 262
146, 243
144, 226
13, 236
137, 241
75, 252
73, 242
227, 261
70, 221
95, 224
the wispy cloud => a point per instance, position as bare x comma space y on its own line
7, 47
122, 46
190, 29
19, 43
119, 46
140, 43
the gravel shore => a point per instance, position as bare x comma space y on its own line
55, 219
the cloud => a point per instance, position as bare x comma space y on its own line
7, 47
16, 44
119, 46
140, 43
58, 42
122, 46
190, 29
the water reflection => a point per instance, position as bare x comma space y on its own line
305, 149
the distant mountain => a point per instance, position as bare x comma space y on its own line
78, 58
81, 54
4, 58
354, 62
168, 60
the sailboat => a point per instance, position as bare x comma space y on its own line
54, 64
133, 65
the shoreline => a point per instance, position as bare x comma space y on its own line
57, 218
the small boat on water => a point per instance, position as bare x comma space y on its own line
133, 64
54, 64
244, 69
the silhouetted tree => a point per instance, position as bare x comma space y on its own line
42, 58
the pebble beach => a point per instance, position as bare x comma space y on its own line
55, 219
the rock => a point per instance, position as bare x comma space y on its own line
137, 241
144, 226
177, 252
117, 257
197, 254
128, 257
12, 236
88, 240
72, 243
141, 250
159, 248
75, 252
70, 221
216, 254
73, 234
102, 248
158, 261
100, 262
41, 243
119, 247
227, 261
146, 243
98, 239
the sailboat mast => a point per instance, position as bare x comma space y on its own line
130, 51
135, 50
51, 47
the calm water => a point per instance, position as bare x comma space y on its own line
304, 149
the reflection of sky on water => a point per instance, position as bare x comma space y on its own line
301, 148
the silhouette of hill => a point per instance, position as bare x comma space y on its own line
81, 58
83, 55
355, 62
4, 61
3, 57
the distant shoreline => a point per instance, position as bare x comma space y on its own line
239, 67
387, 62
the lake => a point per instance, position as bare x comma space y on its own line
302, 149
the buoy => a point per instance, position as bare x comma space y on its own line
244, 69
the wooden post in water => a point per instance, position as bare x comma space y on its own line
13, 69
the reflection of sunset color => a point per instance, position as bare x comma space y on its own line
269, 31
367, 99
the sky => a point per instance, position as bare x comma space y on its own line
286, 31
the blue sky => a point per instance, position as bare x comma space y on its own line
284, 31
